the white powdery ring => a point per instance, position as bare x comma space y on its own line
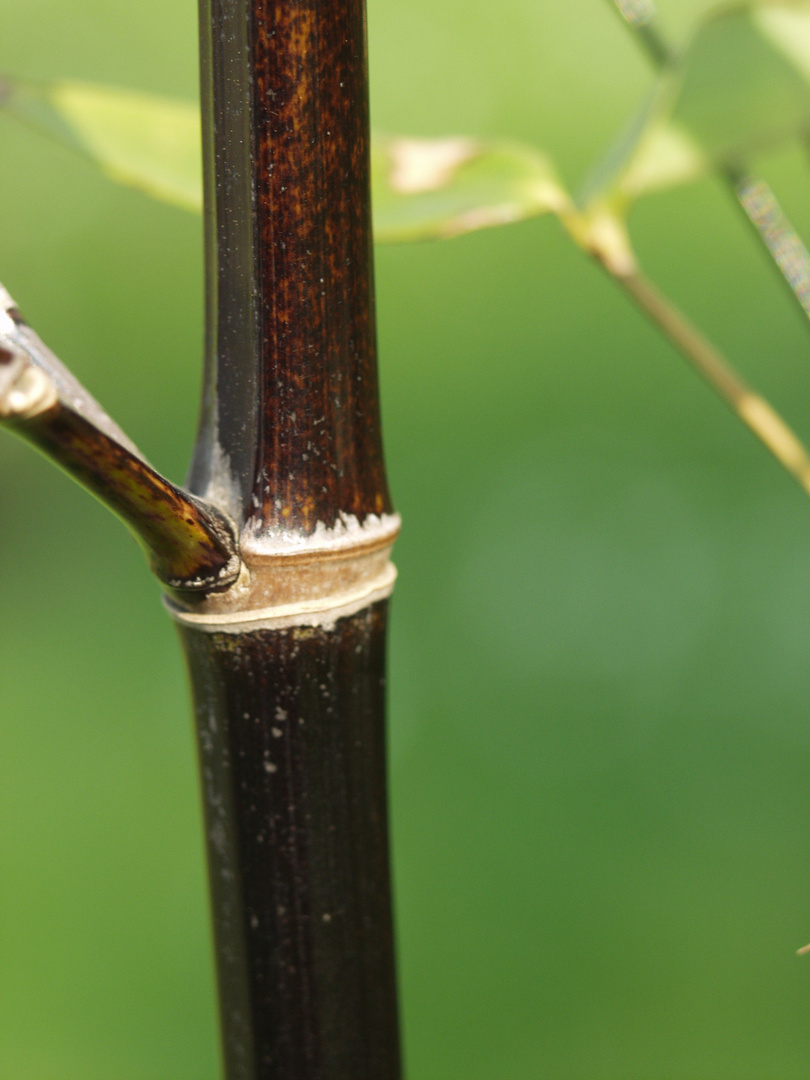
323, 613
302, 580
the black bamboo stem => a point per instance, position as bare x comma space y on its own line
288, 667
293, 761
291, 403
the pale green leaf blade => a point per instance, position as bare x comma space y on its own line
141, 140
434, 188
741, 86
422, 188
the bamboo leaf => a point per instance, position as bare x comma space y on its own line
431, 188
741, 85
422, 187
141, 140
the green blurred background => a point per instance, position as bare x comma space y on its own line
600, 694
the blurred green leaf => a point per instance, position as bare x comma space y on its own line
422, 187
426, 188
741, 85
141, 140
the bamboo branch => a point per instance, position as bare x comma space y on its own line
754, 411
754, 195
189, 544
786, 247
609, 245
641, 15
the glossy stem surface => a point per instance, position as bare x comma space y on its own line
291, 721
291, 399
190, 544
292, 753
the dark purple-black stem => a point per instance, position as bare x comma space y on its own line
288, 667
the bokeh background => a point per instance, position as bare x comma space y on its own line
600, 690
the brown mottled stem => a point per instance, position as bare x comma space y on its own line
291, 421
190, 546
288, 667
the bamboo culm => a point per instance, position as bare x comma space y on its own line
288, 666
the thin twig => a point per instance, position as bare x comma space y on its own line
754, 195
190, 545
787, 249
605, 237
754, 411
642, 16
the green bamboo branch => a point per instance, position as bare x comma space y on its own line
642, 16
607, 241
753, 194
786, 247
189, 544
753, 409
